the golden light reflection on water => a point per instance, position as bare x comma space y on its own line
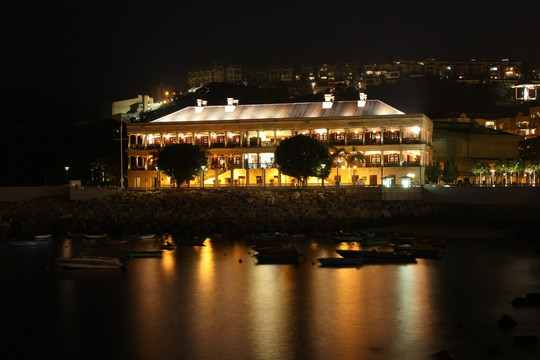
206, 269
270, 311
168, 262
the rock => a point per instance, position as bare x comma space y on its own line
442, 355
533, 298
493, 351
507, 322
295, 195
520, 301
525, 340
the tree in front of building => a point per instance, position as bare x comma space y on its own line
182, 162
533, 168
501, 167
481, 169
301, 157
519, 166
433, 172
449, 173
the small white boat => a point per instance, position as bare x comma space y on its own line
90, 262
43, 237
146, 237
95, 236
28, 242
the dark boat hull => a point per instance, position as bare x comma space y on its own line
379, 257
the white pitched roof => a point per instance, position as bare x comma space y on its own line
279, 111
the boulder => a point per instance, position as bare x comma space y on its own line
525, 340
507, 322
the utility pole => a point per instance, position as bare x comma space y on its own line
121, 152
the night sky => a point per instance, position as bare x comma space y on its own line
96, 51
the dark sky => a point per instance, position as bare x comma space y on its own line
95, 51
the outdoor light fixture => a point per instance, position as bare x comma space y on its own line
67, 174
203, 168
322, 174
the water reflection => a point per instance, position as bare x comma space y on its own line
202, 302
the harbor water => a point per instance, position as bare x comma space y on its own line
216, 302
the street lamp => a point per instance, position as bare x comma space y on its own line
322, 174
492, 177
67, 174
203, 168
336, 183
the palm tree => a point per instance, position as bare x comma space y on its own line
534, 166
335, 156
355, 159
502, 166
519, 166
481, 169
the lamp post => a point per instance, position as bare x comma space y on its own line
67, 174
322, 174
121, 156
492, 177
202, 175
336, 183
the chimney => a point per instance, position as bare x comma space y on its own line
200, 105
231, 104
328, 101
363, 99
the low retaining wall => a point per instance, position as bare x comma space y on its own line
87, 193
21, 193
498, 195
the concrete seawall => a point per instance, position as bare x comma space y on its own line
240, 211
231, 212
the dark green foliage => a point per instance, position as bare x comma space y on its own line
433, 172
301, 156
449, 174
182, 162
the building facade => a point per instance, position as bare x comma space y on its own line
467, 144
241, 140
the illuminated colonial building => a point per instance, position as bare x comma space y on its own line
241, 140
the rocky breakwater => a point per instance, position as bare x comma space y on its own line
231, 212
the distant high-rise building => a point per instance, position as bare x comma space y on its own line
206, 75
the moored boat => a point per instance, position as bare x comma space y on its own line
418, 250
28, 242
190, 240
112, 242
142, 253
292, 258
95, 236
269, 236
89, 262
146, 237
378, 257
371, 238
341, 262
43, 237
280, 250
168, 246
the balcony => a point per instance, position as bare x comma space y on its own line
411, 141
